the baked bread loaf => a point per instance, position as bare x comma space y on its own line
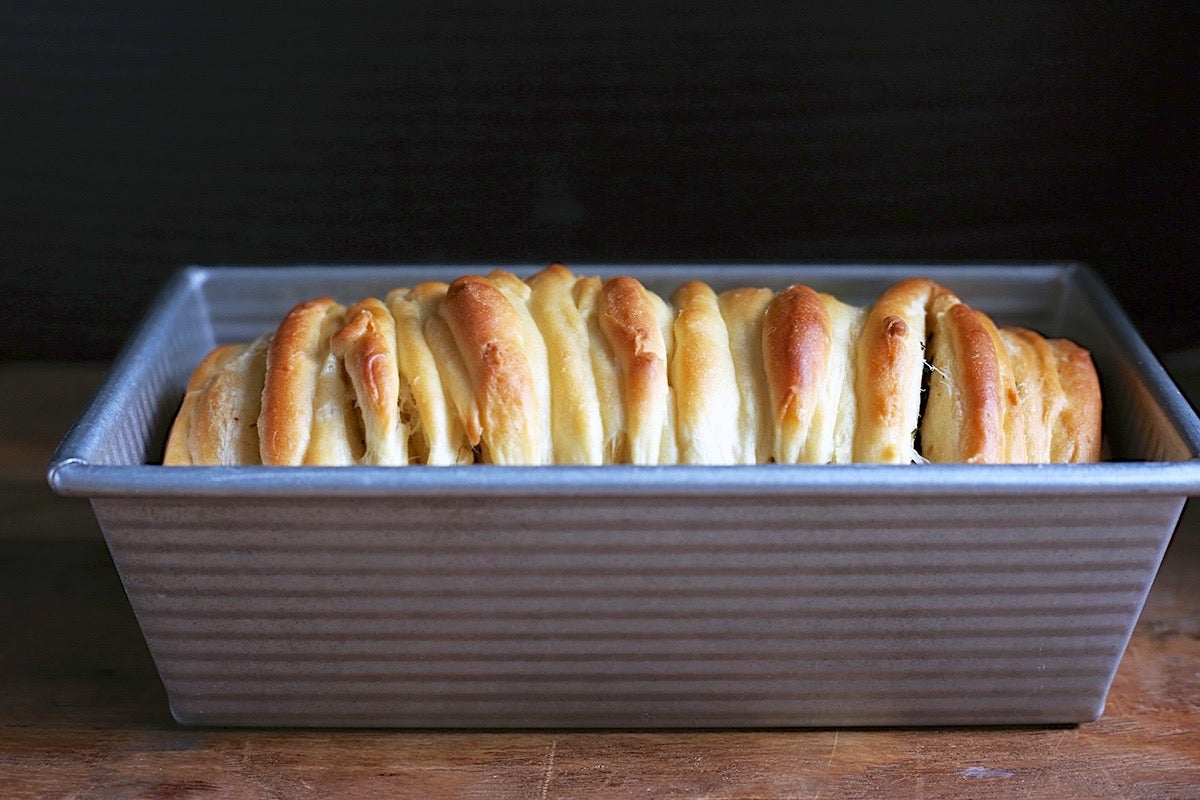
562, 369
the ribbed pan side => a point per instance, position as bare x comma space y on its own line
638, 611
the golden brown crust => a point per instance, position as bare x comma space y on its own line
486, 329
294, 362
796, 344
963, 414
562, 369
452, 370
974, 413
631, 324
533, 348
889, 360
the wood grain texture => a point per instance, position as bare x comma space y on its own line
83, 715
141, 136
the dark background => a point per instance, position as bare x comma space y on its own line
138, 137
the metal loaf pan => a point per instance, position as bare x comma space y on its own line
626, 596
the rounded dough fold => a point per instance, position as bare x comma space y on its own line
562, 369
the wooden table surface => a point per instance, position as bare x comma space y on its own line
83, 714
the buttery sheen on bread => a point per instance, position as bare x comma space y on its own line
563, 369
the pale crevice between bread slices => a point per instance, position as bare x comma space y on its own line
743, 311
562, 369
427, 408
